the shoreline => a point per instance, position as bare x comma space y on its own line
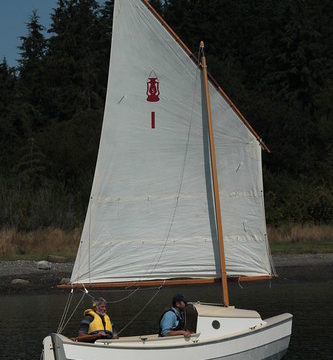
284, 260
298, 267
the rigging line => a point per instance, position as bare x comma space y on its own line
119, 300
91, 297
141, 311
124, 298
181, 175
115, 290
63, 313
239, 283
89, 238
73, 312
66, 308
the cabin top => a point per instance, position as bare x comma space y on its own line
226, 312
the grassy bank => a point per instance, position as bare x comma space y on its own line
36, 245
301, 239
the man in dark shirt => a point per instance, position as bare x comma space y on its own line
172, 321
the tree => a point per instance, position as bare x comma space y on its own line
31, 83
7, 85
104, 46
157, 5
31, 166
74, 47
32, 47
8, 131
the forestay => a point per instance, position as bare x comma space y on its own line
151, 213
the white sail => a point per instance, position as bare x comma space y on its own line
151, 213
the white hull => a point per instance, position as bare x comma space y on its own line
269, 340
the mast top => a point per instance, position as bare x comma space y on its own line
201, 51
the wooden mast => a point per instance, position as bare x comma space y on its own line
214, 175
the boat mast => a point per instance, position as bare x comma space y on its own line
215, 181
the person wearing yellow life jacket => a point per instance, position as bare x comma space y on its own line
96, 323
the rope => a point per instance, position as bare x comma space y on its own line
73, 312
124, 298
89, 244
141, 311
119, 300
239, 283
66, 308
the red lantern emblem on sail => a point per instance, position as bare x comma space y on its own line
153, 89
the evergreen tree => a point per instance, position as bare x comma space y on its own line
104, 45
8, 131
30, 168
157, 5
32, 47
26, 113
74, 50
31, 84
7, 86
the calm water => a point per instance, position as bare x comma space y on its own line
26, 319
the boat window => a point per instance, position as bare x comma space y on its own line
216, 324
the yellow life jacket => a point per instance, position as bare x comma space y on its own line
97, 323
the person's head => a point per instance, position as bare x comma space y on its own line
100, 306
179, 302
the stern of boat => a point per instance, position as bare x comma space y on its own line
47, 352
251, 336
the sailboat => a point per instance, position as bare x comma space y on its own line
177, 199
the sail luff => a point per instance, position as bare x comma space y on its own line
215, 180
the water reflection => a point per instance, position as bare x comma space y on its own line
26, 319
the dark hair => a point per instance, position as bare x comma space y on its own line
178, 298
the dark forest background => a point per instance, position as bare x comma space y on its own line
273, 58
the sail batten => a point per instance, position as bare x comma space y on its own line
151, 210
